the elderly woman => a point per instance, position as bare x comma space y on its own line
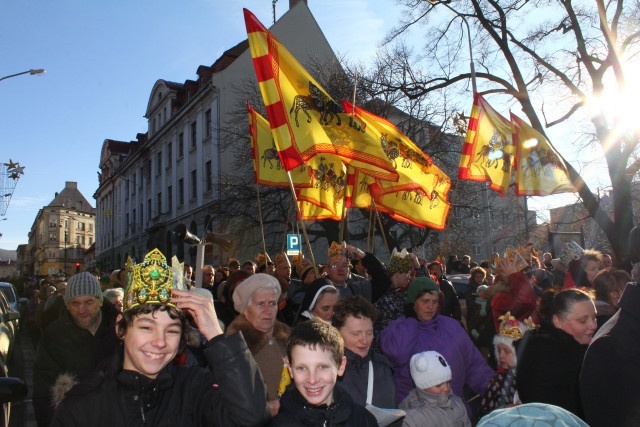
609, 285
423, 329
115, 296
319, 299
582, 271
256, 299
550, 357
354, 317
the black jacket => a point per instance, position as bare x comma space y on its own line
232, 394
356, 379
549, 363
65, 348
296, 412
610, 377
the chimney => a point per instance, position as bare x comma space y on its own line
292, 3
56, 195
70, 184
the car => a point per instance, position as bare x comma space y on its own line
11, 390
10, 292
8, 329
460, 283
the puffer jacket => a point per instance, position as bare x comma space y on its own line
231, 394
426, 409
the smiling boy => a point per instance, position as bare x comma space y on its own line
316, 354
140, 385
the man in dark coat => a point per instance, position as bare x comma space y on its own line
73, 344
610, 377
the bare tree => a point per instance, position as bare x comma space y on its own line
548, 56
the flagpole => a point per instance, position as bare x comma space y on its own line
301, 222
264, 244
384, 237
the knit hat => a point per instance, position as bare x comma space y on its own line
418, 286
245, 289
428, 369
82, 284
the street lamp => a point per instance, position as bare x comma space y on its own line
36, 72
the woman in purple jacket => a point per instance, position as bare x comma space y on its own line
423, 329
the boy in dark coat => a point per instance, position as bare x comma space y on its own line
139, 386
316, 357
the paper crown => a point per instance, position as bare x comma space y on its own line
510, 327
572, 251
262, 259
399, 262
302, 265
336, 251
281, 259
519, 256
151, 281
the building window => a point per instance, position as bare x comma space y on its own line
149, 212
207, 123
134, 183
159, 203
159, 170
126, 222
208, 172
91, 226
169, 146
194, 141
475, 248
66, 223
194, 184
153, 128
164, 115
52, 237
180, 192
80, 226
180, 146
169, 198
90, 241
133, 226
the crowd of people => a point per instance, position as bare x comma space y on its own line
353, 342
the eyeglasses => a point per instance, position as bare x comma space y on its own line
339, 266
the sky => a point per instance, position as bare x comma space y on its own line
102, 60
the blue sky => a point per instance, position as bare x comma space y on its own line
102, 60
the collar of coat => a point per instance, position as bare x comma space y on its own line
254, 338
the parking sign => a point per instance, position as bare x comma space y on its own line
294, 244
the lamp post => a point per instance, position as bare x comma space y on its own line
33, 72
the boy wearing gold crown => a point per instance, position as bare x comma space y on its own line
139, 386
502, 392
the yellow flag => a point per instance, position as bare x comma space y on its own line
267, 167
540, 170
487, 152
304, 120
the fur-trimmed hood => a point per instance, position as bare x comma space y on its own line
254, 338
63, 384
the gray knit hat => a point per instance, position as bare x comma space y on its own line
82, 284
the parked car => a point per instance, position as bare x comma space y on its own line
10, 292
11, 390
8, 329
460, 283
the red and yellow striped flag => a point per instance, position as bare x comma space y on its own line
304, 120
487, 152
267, 167
539, 169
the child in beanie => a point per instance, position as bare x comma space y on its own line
432, 403
501, 392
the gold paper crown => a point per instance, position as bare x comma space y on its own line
301, 264
262, 259
336, 251
281, 259
150, 282
399, 262
511, 328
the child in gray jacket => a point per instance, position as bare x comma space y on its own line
432, 403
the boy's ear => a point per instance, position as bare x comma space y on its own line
342, 366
